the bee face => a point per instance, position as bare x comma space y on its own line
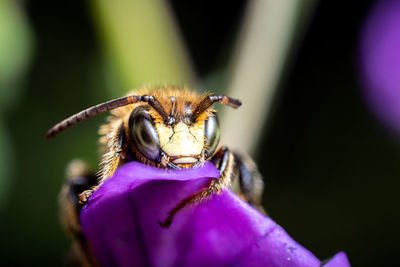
181, 142
164, 127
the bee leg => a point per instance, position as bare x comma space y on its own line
242, 174
224, 161
251, 185
78, 180
84, 196
109, 164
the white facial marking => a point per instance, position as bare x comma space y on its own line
181, 140
164, 133
185, 160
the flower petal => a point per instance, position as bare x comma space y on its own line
121, 219
380, 61
340, 259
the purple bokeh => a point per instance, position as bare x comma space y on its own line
121, 219
380, 61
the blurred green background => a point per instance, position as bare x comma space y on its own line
331, 170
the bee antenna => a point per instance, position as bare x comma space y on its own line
103, 107
211, 99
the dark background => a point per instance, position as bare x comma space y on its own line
330, 167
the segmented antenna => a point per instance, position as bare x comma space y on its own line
211, 99
103, 107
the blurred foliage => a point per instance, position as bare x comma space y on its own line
6, 164
142, 44
15, 51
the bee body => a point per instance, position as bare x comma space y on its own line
165, 128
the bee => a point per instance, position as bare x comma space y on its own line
164, 128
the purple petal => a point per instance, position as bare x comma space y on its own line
121, 219
380, 61
340, 259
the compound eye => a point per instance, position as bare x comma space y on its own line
144, 134
212, 134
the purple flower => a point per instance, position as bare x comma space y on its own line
380, 61
121, 225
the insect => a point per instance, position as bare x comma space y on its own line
165, 128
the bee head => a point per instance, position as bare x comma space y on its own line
176, 128
185, 138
